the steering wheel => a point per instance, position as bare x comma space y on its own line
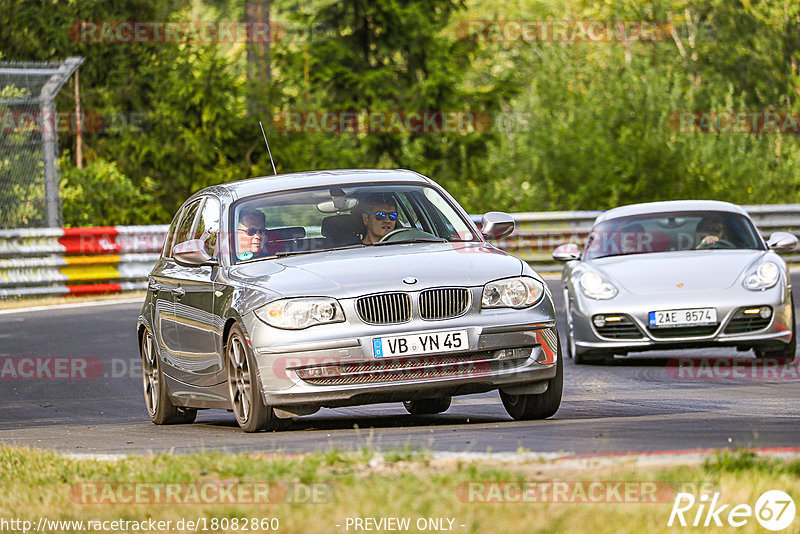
406, 233
720, 243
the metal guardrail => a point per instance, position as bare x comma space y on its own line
53, 261
57, 261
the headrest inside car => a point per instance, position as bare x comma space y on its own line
284, 234
336, 225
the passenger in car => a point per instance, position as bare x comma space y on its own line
380, 218
251, 234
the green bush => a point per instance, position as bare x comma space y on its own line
101, 195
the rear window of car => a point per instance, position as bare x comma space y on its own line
672, 232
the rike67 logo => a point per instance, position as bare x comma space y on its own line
774, 510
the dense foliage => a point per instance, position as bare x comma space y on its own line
574, 124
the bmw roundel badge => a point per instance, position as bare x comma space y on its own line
409, 280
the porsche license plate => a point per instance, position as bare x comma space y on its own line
415, 344
687, 317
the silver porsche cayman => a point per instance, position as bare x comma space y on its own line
675, 275
274, 297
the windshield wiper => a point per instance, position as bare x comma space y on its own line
297, 252
414, 240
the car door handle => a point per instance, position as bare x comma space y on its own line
179, 292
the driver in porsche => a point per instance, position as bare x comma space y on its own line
380, 218
709, 232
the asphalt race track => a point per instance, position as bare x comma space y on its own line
632, 405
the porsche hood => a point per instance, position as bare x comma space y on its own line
695, 270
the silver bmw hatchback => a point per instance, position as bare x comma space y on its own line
276, 296
677, 275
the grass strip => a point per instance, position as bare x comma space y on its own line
316, 492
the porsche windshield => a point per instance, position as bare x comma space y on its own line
669, 232
335, 217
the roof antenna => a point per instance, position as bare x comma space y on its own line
268, 150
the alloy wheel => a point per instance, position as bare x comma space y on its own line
150, 376
239, 379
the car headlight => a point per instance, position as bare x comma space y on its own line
763, 277
299, 313
596, 287
519, 292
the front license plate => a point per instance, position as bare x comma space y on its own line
688, 317
414, 344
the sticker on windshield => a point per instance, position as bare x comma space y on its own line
245, 255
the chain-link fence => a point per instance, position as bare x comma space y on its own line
29, 127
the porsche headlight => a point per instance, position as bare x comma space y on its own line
596, 287
299, 313
762, 277
519, 292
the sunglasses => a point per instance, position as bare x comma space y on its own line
253, 231
381, 215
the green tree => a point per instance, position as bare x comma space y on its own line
101, 195
367, 56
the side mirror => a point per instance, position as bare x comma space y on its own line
192, 253
782, 242
496, 224
567, 252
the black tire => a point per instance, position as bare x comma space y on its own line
786, 353
592, 358
579, 358
570, 328
244, 386
427, 406
156, 396
541, 405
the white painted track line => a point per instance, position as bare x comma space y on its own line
72, 305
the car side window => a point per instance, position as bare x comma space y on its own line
169, 240
208, 224
187, 222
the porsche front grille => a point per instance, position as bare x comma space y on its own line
684, 331
443, 303
624, 328
386, 308
742, 322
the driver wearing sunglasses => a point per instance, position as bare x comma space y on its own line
380, 218
251, 233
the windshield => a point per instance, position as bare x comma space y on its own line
669, 232
328, 218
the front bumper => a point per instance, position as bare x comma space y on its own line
590, 339
334, 365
